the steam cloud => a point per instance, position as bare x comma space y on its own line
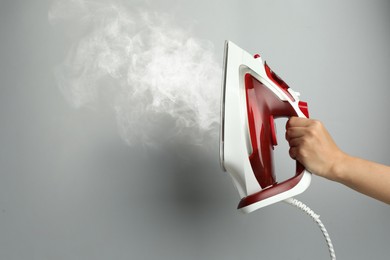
161, 83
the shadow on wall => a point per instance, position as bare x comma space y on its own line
173, 179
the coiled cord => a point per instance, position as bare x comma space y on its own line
316, 218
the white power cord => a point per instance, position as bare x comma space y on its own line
316, 218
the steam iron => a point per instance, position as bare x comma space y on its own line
253, 96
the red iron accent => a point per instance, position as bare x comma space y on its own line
273, 131
278, 81
272, 191
303, 107
262, 104
256, 56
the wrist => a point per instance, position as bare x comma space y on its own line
339, 169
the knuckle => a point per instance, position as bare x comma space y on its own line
294, 142
311, 132
305, 140
288, 133
288, 124
317, 124
292, 153
302, 153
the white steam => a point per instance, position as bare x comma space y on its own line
161, 82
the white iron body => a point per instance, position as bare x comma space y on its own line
235, 141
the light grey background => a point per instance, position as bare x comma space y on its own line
71, 189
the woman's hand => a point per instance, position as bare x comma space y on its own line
312, 145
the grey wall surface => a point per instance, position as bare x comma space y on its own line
71, 188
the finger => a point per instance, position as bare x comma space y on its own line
295, 142
295, 132
293, 153
297, 122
